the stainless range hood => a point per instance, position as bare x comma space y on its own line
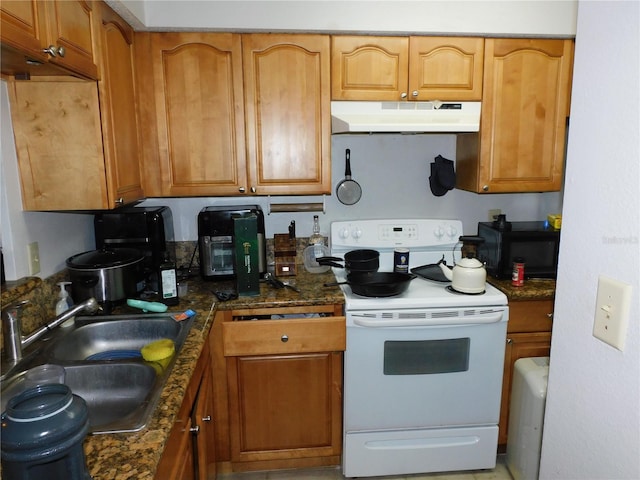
398, 117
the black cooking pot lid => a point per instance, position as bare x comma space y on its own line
116, 257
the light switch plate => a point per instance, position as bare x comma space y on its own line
612, 311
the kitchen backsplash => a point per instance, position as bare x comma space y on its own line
42, 294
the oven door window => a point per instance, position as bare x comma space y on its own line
426, 357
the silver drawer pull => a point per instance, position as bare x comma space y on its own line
207, 418
195, 430
284, 339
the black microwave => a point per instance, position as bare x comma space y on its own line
536, 243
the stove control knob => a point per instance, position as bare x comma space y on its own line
357, 233
344, 232
451, 232
438, 232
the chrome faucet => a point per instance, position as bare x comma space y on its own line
14, 342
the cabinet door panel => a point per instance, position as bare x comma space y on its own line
524, 112
20, 27
70, 25
285, 406
369, 68
59, 145
118, 100
287, 105
446, 68
200, 118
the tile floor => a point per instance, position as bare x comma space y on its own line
333, 473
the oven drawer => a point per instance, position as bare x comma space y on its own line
266, 337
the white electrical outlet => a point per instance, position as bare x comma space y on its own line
33, 254
493, 213
612, 311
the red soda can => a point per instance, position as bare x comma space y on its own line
517, 274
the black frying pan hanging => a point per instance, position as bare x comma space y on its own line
348, 191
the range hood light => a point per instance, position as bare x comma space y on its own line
400, 117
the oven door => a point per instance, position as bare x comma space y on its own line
410, 371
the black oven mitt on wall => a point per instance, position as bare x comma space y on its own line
443, 176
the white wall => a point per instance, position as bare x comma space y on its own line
592, 421
59, 235
524, 17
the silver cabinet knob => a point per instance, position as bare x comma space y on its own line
485, 188
207, 418
119, 202
284, 339
241, 189
403, 95
414, 94
52, 50
195, 430
253, 189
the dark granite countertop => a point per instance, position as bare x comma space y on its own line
533, 289
136, 455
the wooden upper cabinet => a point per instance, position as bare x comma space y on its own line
56, 32
77, 140
369, 68
287, 103
406, 68
118, 107
445, 68
521, 144
59, 144
192, 113
21, 28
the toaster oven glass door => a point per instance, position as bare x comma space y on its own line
221, 255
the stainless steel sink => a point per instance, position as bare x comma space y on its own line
118, 395
119, 335
121, 393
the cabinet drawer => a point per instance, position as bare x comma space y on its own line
530, 316
264, 337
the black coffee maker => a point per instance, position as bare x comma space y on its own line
148, 229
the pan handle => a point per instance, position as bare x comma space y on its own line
347, 168
333, 284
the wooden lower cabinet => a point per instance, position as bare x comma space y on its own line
528, 335
283, 386
190, 453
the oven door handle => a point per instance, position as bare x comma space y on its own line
429, 322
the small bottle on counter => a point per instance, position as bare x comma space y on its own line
64, 303
168, 284
517, 274
316, 238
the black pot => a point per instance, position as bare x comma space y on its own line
363, 260
110, 276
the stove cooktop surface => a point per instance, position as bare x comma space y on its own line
428, 241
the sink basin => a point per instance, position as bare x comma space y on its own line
118, 335
118, 395
121, 392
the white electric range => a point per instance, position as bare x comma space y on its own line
423, 369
